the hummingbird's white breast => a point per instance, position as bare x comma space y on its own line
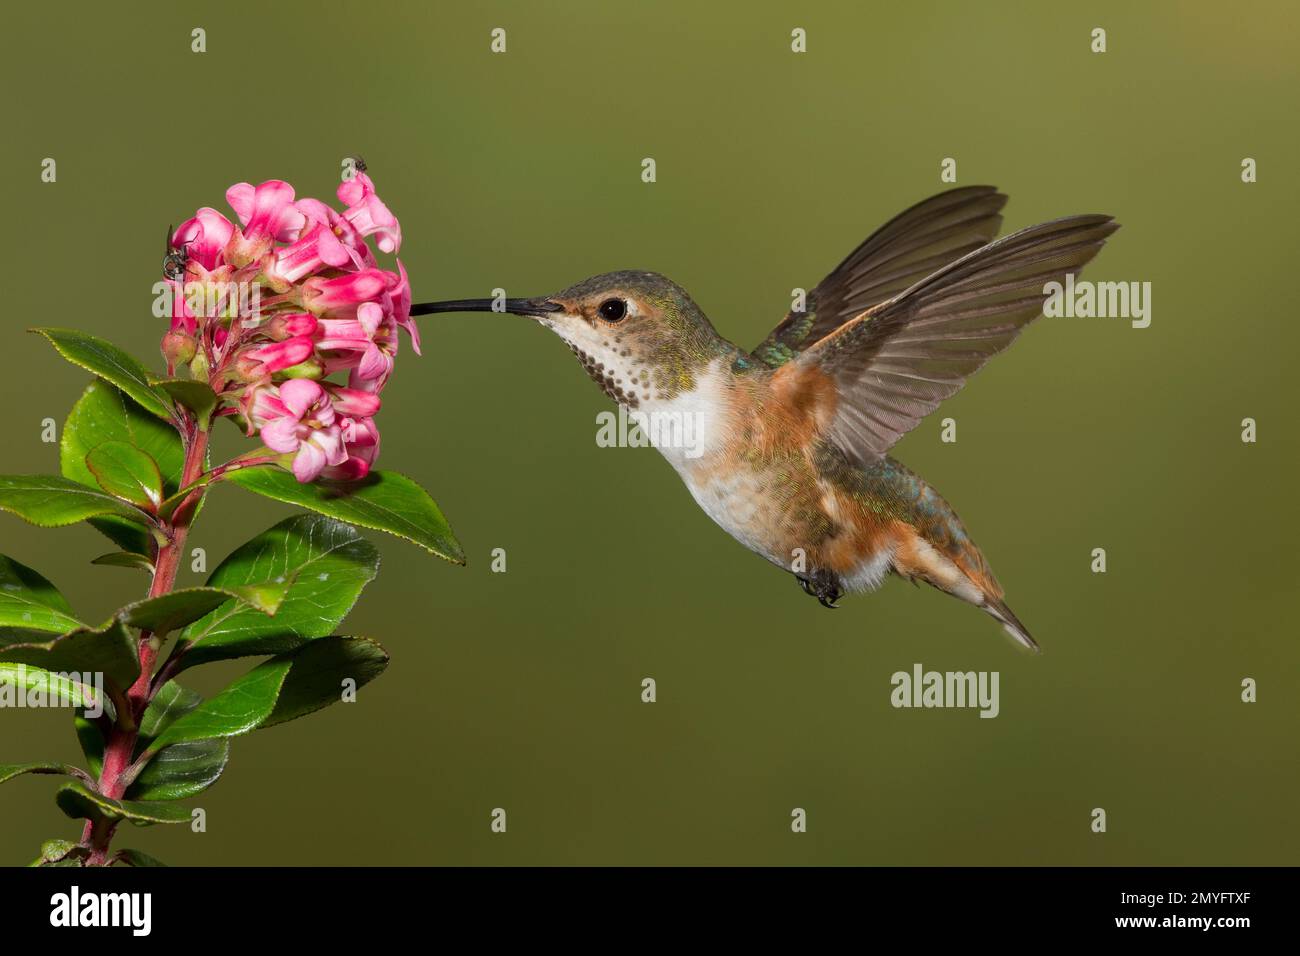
731, 492
698, 430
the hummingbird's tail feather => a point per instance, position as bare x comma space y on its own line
998, 609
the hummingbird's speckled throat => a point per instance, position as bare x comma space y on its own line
610, 382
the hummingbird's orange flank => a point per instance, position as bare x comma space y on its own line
789, 442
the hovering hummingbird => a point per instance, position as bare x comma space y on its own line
792, 438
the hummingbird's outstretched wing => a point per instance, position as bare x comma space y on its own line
893, 365
911, 246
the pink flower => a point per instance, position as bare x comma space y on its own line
266, 210
288, 325
402, 306
318, 248
352, 402
355, 190
204, 237
353, 241
317, 211
268, 215
183, 319
369, 342
361, 442
275, 357
321, 295
298, 332
370, 217
301, 421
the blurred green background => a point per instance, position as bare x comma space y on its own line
522, 690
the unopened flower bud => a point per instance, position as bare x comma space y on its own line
246, 369
199, 367
313, 368
178, 348
273, 357
288, 325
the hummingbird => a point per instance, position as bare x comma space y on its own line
791, 439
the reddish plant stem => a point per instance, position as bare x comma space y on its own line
121, 740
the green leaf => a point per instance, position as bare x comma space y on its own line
10, 770
125, 533
239, 708
126, 472
174, 771
32, 680
125, 559
52, 502
91, 739
316, 678
327, 562
197, 396
29, 601
383, 500
60, 853
181, 770
136, 858
266, 597
104, 414
166, 613
82, 803
110, 650
171, 702
273, 693
111, 364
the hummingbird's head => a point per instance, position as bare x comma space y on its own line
637, 334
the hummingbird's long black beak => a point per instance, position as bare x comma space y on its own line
538, 308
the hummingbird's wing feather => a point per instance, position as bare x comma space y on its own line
893, 365
909, 247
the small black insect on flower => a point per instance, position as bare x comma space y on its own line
175, 259
351, 166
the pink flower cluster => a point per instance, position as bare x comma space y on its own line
301, 360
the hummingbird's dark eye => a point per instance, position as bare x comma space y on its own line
612, 310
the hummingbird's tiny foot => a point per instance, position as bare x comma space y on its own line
824, 586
